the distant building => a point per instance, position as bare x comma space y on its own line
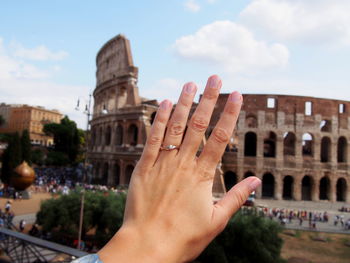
20, 117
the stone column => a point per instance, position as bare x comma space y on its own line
110, 179
113, 135
122, 172
125, 133
316, 148
332, 188
315, 191
297, 188
347, 194
140, 128
279, 150
259, 189
278, 186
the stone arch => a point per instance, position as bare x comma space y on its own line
308, 144
128, 172
325, 149
270, 145
108, 134
100, 135
341, 190
153, 116
119, 135
248, 174
97, 170
342, 150
324, 188
289, 140
306, 187
326, 126
250, 144
288, 184
268, 185
251, 121
116, 174
230, 179
104, 179
93, 137
132, 134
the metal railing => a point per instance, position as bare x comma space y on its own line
22, 248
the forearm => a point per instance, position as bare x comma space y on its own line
133, 246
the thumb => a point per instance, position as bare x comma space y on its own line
234, 199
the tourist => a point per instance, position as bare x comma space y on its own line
169, 214
22, 225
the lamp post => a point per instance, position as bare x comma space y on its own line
88, 114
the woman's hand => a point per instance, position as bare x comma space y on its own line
170, 215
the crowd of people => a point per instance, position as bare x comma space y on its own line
313, 218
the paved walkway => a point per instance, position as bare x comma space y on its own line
321, 206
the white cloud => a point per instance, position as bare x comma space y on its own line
41, 53
311, 21
192, 6
212, 1
165, 88
231, 47
25, 83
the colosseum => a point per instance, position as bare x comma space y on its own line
297, 146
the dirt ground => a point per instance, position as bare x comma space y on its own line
303, 246
21, 207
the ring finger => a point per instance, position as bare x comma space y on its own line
177, 123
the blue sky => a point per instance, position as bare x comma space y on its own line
48, 48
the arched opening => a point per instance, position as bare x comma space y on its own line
100, 135
116, 174
104, 179
306, 187
93, 137
119, 135
326, 126
248, 174
250, 144
325, 150
270, 145
341, 190
230, 179
133, 134
268, 185
251, 121
153, 116
308, 144
288, 187
289, 143
97, 171
108, 134
128, 172
324, 188
342, 150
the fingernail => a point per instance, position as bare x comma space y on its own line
165, 104
190, 88
235, 97
214, 82
255, 183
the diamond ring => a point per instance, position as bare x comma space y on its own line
169, 147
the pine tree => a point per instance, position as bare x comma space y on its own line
12, 157
26, 147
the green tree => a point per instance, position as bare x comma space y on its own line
246, 238
26, 147
12, 157
38, 157
66, 138
103, 212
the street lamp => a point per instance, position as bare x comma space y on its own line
88, 114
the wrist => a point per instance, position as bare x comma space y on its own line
131, 245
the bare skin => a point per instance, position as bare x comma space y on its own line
170, 216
